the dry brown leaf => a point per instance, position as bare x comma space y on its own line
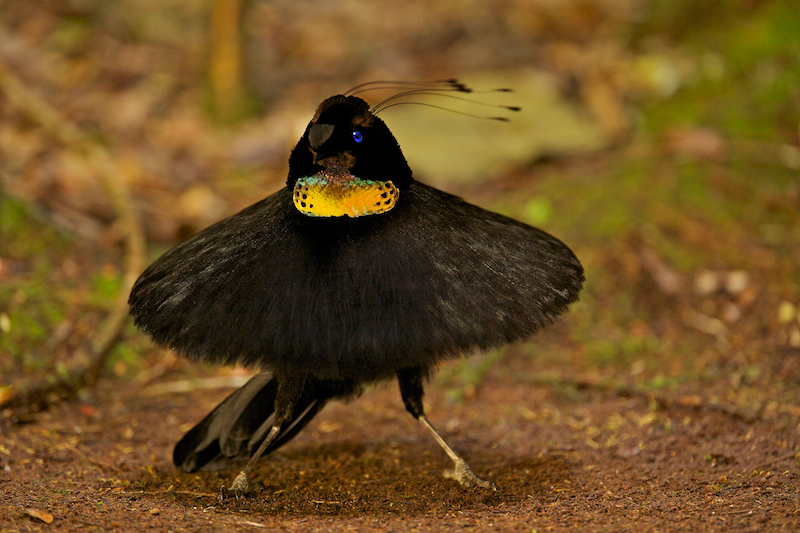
665, 277
44, 516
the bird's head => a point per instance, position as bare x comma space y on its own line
347, 163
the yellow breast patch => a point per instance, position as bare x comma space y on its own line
327, 195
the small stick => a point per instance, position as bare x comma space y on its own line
771, 462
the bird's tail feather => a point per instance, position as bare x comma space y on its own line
238, 425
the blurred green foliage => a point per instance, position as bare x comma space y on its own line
754, 91
30, 302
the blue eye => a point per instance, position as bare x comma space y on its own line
357, 137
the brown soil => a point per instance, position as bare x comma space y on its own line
563, 458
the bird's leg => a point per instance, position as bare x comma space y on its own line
412, 390
290, 390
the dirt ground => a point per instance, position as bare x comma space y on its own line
658, 139
563, 459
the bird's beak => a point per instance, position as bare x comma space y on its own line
318, 134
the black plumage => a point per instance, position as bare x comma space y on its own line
326, 304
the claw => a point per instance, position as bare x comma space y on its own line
462, 473
238, 489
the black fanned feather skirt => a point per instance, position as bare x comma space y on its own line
355, 298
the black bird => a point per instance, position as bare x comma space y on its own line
352, 273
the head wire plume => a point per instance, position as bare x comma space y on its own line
440, 88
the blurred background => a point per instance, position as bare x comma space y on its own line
659, 139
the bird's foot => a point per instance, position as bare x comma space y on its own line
462, 473
238, 489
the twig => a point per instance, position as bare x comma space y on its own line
743, 511
186, 385
771, 462
167, 491
42, 391
225, 61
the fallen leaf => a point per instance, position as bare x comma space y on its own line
44, 516
666, 278
87, 410
700, 144
691, 400
628, 452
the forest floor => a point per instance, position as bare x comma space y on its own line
661, 147
564, 458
